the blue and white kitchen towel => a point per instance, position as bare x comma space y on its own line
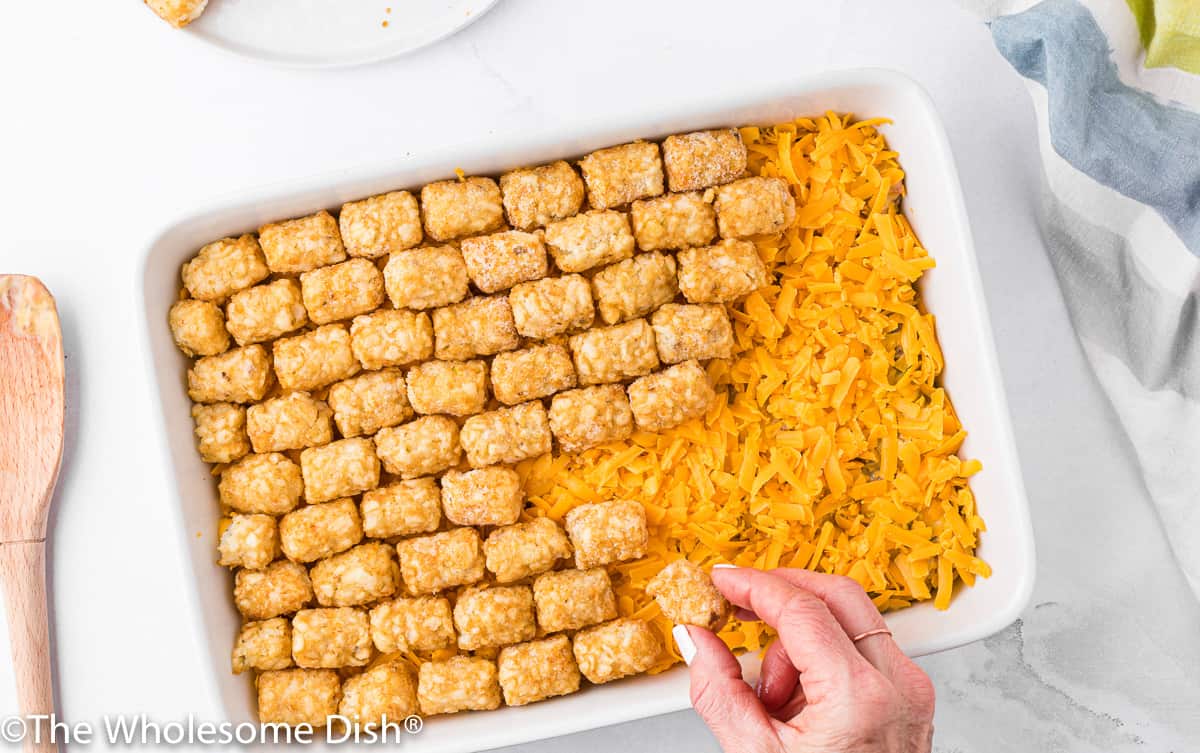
1120, 147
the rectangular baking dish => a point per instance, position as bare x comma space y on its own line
952, 291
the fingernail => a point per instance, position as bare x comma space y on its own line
683, 641
722, 566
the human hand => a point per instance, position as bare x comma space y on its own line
818, 690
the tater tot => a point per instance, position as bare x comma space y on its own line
302, 244
425, 278
422, 447
621, 174
298, 696
460, 683
221, 432
478, 326
289, 422
441, 560
686, 595
458, 208
329, 638
489, 496
506, 435
380, 225
497, 262
524, 549
495, 616
241, 375
684, 332
670, 397
317, 531
391, 338
368, 402
537, 670
604, 532
314, 359
456, 388
754, 206
617, 649
674, 221
385, 692
552, 306
224, 267
721, 273
263, 645
402, 508
265, 312
178, 13
198, 328
280, 588
250, 541
634, 287
261, 483
359, 575
532, 373
571, 599
703, 158
342, 290
339, 469
590, 416
420, 623
535, 196
612, 354
589, 240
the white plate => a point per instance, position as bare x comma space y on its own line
331, 33
952, 291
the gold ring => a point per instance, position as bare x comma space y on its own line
869, 633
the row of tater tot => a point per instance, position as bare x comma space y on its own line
259, 488
530, 198
437, 277
491, 325
271, 482
522, 673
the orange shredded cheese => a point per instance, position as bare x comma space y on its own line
831, 445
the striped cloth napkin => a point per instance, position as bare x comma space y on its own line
1119, 125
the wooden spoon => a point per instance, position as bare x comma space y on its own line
32, 400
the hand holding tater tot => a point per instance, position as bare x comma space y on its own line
819, 689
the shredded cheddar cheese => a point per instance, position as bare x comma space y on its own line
831, 445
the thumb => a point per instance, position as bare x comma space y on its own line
721, 697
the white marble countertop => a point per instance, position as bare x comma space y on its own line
114, 124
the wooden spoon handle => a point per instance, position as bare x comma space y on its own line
23, 573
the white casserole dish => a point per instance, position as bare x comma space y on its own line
952, 291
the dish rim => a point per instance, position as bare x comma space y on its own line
545, 140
